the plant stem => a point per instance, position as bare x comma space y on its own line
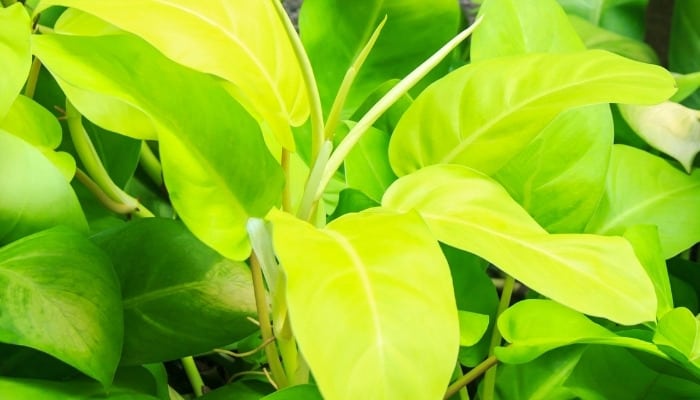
489, 383
286, 191
273, 358
484, 366
384, 103
112, 205
308, 200
150, 164
309, 79
193, 375
30, 87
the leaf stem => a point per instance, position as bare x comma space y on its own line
286, 191
150, 164
484, 366
193, 375
33, 77
489, 387
112, 205
273, 358
309, 79
384, 103
309, 200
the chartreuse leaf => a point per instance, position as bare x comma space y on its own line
376, 272
468, 210
41, 196
684, 46
472, 327
677, 334
645, 240
484, 120
518, 29
60, 296
669, 127
15, 30
534, 327
596, 37
687, 84
334, 34
215, 163
180, 296
645, 189
216, 37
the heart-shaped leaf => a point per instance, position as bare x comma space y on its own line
470, 211
15, 30
217, 37
476, 118
371, 304
60, 295
180, 296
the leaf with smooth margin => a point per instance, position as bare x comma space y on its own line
306, 392
517, 28
218, 38
174, 288
371, 304
367, 166
36, 125
687, 85
595, 37
215, 163
684, 45
645, 241
645, 189
472, 327
669, 127
476, 118
15, 30
468, 210
334, 33
60, 295
677, 335
534, 327
34, 195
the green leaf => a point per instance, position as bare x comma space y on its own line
684, 46
677, 334
180, 297
470, 211
595, 37
367, 165
645, 240
119, 154
306, 392
687, 84
559, 177
36, 125
512, 27
350, 201
61, 296
41, 196
15, 30
240, 390
669, 127
354, 290
216, 37
390, 118
472, 327
334, 33
534, 327
484, 120
645, 189
216, 166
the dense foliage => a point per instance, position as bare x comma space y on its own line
383, 206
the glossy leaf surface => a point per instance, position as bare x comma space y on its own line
180, 297
355, 290
684, 46
334, 34
15, 29
534, 327
596, 37
213, 155
645, 189
470, 211
216, 37
367, 166
677, 333
484, 120
34, 195
60, 296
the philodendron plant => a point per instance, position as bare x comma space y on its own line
347, 212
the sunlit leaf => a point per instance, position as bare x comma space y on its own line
677, 333
470, 211
684, 45
60, 296
15, 29
534, 327
371, 304
472, 327
645, 189
476, 118
175, 289
217, 37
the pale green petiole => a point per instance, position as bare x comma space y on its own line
383, 104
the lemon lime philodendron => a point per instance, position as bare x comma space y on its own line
335, 197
